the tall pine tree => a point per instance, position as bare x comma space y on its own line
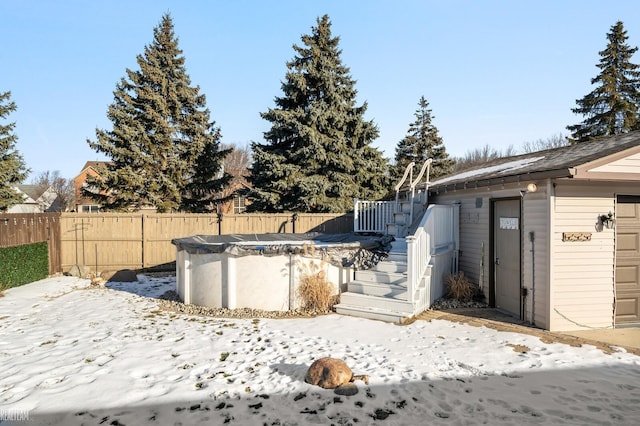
421, 143
12, 166
163, 147
204, 189
318, 155
612, 107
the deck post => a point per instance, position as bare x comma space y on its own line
356, 214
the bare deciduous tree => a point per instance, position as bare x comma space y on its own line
555, 141
64, 188
237, 165
480, 156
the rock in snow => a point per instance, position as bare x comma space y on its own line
328, 373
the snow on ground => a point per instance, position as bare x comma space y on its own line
71, 355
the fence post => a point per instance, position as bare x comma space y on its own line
49, 250
411, 263
355, 215
142, 224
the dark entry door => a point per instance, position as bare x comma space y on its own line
506, 256
627, 260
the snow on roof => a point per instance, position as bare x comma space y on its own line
498, 168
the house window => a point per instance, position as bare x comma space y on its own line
239, 205
90, 209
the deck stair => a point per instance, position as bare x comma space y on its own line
403, 220
381, 292
425, 249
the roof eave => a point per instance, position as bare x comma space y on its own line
517, 178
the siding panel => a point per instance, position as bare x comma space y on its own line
475, 256
474, 236
583, 271
630, 164
535, 213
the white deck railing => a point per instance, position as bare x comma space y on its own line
424, 172
434, 244
432, 250
408, 173
372, 216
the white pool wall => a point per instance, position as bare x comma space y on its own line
223, 280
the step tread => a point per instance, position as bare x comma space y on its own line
379, 284
376, 272
373, 313
401, 262
381, 276
383, 290
390, 266
396, 255
367, 308
393, 298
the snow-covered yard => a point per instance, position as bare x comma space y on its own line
70, 354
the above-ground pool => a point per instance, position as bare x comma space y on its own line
263, 271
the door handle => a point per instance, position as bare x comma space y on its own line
497, 261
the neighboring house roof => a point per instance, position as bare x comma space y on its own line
32, 192
574, 161
95, 165
36, 199
90, 168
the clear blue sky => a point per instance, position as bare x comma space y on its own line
494, 72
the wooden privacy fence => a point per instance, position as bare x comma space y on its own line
18, 229
112, 241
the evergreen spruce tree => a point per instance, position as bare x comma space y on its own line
318, 155
12, 166
204, 188
421, 143
161, 139
612, 107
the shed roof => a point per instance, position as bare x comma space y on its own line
551, 163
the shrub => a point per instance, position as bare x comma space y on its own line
314, 290
23, 264
460, 288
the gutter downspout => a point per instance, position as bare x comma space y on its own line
533, 277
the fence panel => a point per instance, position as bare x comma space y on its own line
18, 229
276, 223
329, 223
55, 250
257, 223
110, 241
160, 229
106, 241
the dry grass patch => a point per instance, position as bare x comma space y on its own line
315, 291
460, 288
